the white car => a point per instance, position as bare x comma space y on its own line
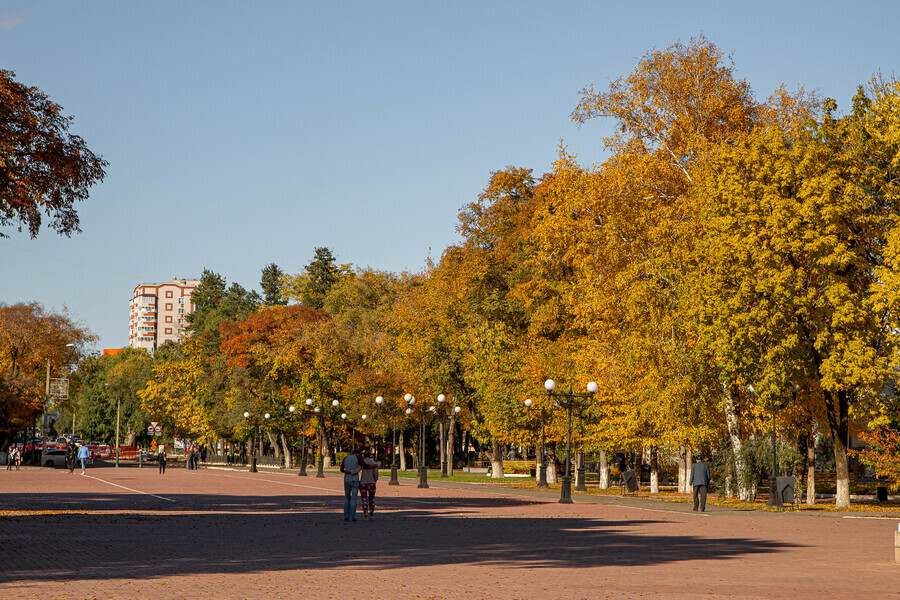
54, 458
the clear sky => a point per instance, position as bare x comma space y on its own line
244, 133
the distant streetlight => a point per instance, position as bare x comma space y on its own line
320, 412
393, 411
542, 458
569, 401
253, 441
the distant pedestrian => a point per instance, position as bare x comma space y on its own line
71, 456
161, 459
350, 467
10, 457
367, 479
83, 455
700, 481
195, 458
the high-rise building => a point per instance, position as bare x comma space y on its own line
157, 312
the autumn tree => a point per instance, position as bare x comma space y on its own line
793, 268
615, 237
44, 169
32, 340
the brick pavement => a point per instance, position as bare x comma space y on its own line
134, 534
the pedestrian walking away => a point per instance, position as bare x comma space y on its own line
350, 467
83, 455
700, 481
367, 479
161, 459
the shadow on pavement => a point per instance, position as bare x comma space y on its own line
312, 535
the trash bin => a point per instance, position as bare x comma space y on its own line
881, 494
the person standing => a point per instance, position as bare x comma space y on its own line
161, 459
83, 455
71, 454
17, 457
700, 482
367, 478
350, 467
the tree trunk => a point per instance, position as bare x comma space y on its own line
401, 448
443, 443
551, 463
732, 419
273, 441
654, 470
838, 419
288, 452
451, 441
604, 471
811, 469
496, 457
682, 470
579, 464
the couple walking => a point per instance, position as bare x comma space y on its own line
360, 474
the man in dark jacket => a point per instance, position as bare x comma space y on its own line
700, 481
71, 453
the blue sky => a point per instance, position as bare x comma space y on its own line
240, 134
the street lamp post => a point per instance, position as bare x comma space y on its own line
393, 411
302, 471
352, 430
443, 417
569, 401
320, 412
423, 469
542, 462
44, 421
254, 440
774, 497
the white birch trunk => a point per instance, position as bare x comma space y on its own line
604, 471
737, 444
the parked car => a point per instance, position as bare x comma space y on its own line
54, 458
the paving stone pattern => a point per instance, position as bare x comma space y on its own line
131, 533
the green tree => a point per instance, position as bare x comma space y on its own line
270, 283
312, 285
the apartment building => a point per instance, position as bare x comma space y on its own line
157, 312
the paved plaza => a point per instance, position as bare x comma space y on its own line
229, 534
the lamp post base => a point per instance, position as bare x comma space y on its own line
303, 467
542, 477
580, 486
444, 470
253, 464
321, 472
423, 477
394, 480
565, 492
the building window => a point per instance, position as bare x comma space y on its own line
180, 311
168, 293
168, 331
168, 306
168, 318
